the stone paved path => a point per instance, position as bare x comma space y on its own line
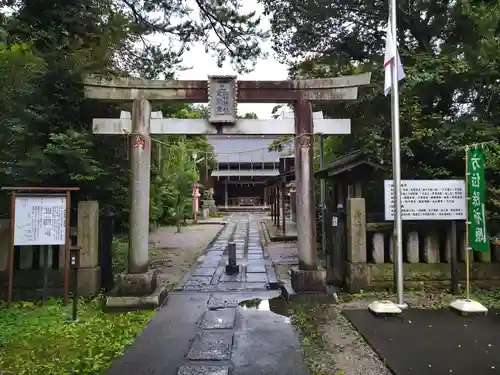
203, 331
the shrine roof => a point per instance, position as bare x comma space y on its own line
349, 163
343, 166
245, 172
243, 149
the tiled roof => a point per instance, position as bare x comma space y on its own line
245, 172
243, 149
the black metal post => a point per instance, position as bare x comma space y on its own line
74, 264
231, 267
75, 296
338, 258
453, 258
278, 206
283, 204
45, 249
106, 231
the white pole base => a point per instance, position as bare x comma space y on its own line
384, 308
468, 307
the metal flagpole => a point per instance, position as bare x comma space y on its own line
396, 165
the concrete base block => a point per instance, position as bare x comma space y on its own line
308, 281
137, 285
89, 281
467, 307
357, 277
384, 308
287, 291
151, 301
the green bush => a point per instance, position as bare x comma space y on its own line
38, 340
120, 255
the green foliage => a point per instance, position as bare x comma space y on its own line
45, 49
38, 340
175, 175
120, 255
449, 98
306, 317
249, 116
175, 170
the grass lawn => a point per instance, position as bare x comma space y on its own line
36, 339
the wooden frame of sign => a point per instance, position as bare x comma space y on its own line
59, 201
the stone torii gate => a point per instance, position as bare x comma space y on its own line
223, 93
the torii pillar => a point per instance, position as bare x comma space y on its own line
223, 94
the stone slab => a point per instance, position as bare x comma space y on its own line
261, 262
230, 286
255, 256
208, 263
271, 277
203, 370
197, 282
224, 277
255, 286
255, 268
218, 319
223, 301
214, 253
256, 277
211, 346
204, 271
212, 257
256, 251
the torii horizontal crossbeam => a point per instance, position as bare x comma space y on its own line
317, 90
200, 126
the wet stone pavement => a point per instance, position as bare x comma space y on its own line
205, 330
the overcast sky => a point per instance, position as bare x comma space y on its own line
266, 69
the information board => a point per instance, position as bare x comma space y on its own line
40, 220
427, 199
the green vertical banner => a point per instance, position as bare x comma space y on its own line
478, 236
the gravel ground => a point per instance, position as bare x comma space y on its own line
345, 351
172, 254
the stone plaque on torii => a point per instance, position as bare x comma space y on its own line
223, 94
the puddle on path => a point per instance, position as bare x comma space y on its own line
276, 305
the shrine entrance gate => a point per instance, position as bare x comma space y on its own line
223, 93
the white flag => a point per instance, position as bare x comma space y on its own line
391, 52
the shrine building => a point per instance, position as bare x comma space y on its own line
243, 165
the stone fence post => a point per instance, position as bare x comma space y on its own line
357, 271
89, 274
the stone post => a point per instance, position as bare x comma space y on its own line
307, 277
293, 206
89, 273
306, 218
140, 166
357, 273
226, 204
